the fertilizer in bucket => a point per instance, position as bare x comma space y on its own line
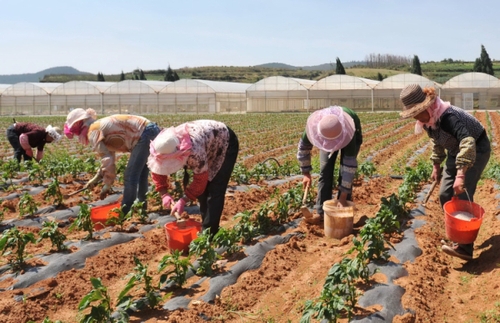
462, 220
180, 238
338, 220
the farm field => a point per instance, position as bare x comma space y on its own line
278, 270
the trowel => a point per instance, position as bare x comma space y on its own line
78, 191
304, 209
426, 198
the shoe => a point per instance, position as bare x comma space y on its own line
456, 251
315, 219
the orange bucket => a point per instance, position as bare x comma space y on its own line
458, 230
179, 239
100, 214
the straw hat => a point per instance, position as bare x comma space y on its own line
330, 129
415, 101
169, 151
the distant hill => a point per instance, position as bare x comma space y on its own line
37, 77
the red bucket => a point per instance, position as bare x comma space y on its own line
458, 230
100, 214
179, 239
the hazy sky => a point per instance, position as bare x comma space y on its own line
110, 36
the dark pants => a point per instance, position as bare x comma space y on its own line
19, 152
325, 181
212, 199
472, 177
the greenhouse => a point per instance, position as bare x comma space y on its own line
28, 99
200, 96
386, 93
78, 94
279, 94
134, 96
344, 90
272, 94
472, 91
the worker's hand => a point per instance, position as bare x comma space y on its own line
436, 172
167, 201
306, 181
458, 185
179, 207
90, 184
104, 192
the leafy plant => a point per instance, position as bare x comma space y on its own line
27, 205
17, 241
102, 310
54, 190
179, 271
227, 238
202, 249
51, 231
121, 218
366, 169
83, 221
246, 228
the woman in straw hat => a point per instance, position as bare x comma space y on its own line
331, 129
116, 133
457, 137
208, 148
23, 136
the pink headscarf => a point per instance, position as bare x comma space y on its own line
166, 164
435, 111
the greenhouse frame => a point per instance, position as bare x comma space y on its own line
272, 94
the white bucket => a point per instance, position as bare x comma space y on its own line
338, 220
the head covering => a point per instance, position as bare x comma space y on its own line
79, 114
330, 129
169, 152
54, 132
415, 100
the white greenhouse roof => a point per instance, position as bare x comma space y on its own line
137, 87
472, 80
30, 89
3, 87
82, 88
344, 82
400, 81
203, 86
281, 83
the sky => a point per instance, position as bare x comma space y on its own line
111, 36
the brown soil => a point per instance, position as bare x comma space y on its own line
438, 288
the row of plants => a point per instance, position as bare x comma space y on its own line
340, 292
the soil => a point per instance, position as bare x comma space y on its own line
437, 288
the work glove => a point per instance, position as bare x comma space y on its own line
105, 190
179, 207
436, 172
167, 201
90, 184
458, 185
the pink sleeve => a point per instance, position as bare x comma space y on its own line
23, 140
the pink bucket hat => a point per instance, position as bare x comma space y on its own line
330, 129
169, 152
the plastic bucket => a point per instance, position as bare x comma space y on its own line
459, 230
100, 214
179, 239
338, 220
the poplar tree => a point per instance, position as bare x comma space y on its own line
122, 77
483, 64
339, 67
415, 66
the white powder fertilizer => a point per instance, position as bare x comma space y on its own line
462, 215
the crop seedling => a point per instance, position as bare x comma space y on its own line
83, 221
14, 239
227, 238
202, 249
54, 190
245, 227
51, 231
121, 218
27, 205
101, 311
179, 271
